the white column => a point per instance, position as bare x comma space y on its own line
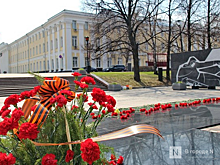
58, 43
64, 48
53, 55
81, 44
48, 40
69, 46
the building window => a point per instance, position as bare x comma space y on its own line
61, 26
74, 41
98, 62
33, 51
44, 65
109, 62
39, 49
30, 52
56, 43
40, 66
57, 62
37, 66
25, 54
43, 32
43, 47
55, 29
48, 64
39, 35
74, 25
146, 46
52, 64
36, 36
119, 61
75, 64
61, 63
30, 40
36, 50
47, 46
162, 46
34, 67
61, 42
33, 38
86, 25
51, 45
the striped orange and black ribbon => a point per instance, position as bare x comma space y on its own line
49, 89
126, 132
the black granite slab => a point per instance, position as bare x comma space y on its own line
179, 127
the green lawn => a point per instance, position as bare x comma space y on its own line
127, 78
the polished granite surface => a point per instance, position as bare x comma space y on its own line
179, 127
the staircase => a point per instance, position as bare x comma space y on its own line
16, 85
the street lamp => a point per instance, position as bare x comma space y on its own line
87, 46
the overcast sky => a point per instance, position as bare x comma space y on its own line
18, 17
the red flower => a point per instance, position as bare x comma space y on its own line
6, 113
16, 114
25, 95
120, 160
94, 107
61, 100
28, 130
46, 78
12, 100
76, 74
82, 85
6, 125
77, 82
94, 117
113, 157
7, 160
52, 100
90, 151
69, 155
103, 112
85, 97
49, 159
110, 108
98, 95
74, 107
33, 108
111, 100
37, 88
92, 114
5, 107
66, 92
88, 80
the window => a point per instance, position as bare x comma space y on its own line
40, 66
43, 47
33, 38
57, 62
34, 67
75, 62
47, 46
86, 25
98, 62
98, 42
43, 32
56, 43
55, 29
39, 49
36, 37
25, 55
36, 50
39, 35
33, 51
61, 63
61, 42
162, 46
30, 40
109, 62
119, 60
51, 45
52, 63
146, 46
61, 26
48, 64
74, 41
30, 52
37, 66
74, 25
44, 65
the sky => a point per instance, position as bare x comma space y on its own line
18, 17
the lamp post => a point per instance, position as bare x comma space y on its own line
87, 47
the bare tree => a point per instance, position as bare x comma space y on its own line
120, 21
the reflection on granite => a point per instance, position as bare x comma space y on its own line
179, 128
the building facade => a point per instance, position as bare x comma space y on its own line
57, 45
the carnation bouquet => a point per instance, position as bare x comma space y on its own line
49, 125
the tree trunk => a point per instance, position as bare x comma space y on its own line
189, 25
208, 27
136, 64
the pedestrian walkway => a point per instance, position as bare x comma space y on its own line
153, 95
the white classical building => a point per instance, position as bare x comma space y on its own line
56, 45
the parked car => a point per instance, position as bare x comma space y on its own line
91, 69
115, 68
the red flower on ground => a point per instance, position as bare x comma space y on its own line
7, 159
49, 159
12, 99
76, 74
90, 151
88, 80
120, 160
6, 113
110, 108
69, 155
16, 114
28, 130
37, 88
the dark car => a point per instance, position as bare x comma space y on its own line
91, 69
115, 68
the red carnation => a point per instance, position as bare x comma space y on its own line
90, 151
16, 114
49, 159
77, 82
52, 100
85, 97
25, 95
76, 74
28, 130
7, 160
111, 100
6, 113
6, 125
88, 80
110, 108
12, 100
61, 100
98, 95
37, 88
74, 107
5, 107
82, 85
69, 155
66, 92
120, 160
